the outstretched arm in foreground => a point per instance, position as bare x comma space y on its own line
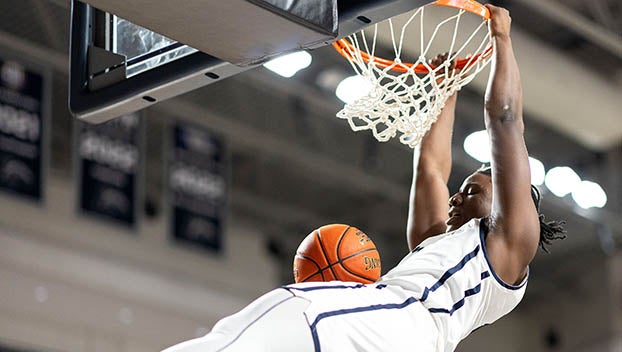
515, 231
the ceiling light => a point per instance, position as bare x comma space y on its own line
330, 78
353, 88
589, 194
537, 171
561, 180
477, 146
288, 65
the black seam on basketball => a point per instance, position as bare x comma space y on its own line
329, 265
355, 254
344, 268
319, 270
339, 242
357, 275
340, 262
319, 238
337, 248
350, 256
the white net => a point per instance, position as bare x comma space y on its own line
407, 95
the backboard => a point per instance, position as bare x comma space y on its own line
126, 56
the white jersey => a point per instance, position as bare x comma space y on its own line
438, 294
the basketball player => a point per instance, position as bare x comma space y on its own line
463, 272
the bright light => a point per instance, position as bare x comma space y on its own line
352, 88
288, 65
537, 171
561, 180
477, 146
589, 194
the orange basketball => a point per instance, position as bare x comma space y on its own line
337, 252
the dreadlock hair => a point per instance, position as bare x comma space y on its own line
549, 230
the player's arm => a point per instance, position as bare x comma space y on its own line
428, 204
515, 231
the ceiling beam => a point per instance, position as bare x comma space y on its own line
601, 11
590, 30
52, 31
40, 55
62, 3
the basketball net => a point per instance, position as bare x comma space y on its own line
407, 96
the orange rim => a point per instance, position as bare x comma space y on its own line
466, 5
345, 48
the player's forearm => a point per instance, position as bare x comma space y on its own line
428, 208
504, 91
436, 145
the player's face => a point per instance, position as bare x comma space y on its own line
474, 200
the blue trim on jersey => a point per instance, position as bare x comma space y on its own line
485, 274
449, 273
416, 249
314, 288
316, 340
470, 292
482, 238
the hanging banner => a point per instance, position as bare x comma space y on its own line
108, 157
197, 177
21, 130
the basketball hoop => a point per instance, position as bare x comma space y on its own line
407, 95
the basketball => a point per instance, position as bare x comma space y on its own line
337, 252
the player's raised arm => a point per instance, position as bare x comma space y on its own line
431, 168
515, 231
